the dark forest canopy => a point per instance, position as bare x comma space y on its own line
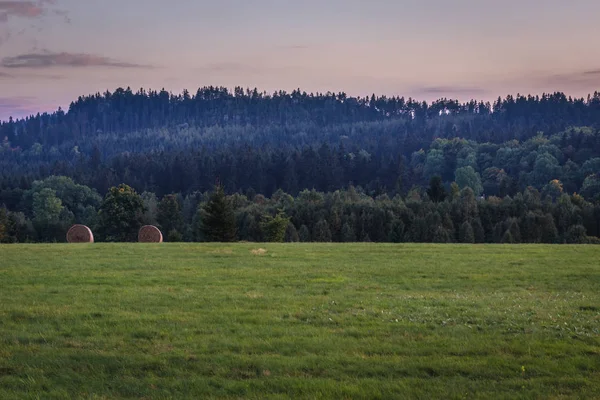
258, 143
124, 111
438, 215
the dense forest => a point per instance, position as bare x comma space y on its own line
308, 167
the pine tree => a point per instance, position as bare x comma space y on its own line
169, 215
436, 191
478, 231
397, 232
507, 238
291, 234
217, 219
466, 234
174, 236
322, 233
515, 230
549, 231
441, 235
348, 234
274, 228
304, 234
3, 224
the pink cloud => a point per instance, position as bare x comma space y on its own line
64, 59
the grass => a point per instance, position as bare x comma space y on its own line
137, 321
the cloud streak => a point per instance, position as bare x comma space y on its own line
64, 59
592, 73
451, 90
587, 79
294, 47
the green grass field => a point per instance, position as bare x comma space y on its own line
109, 321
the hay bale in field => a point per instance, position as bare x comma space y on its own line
150, 234
259, 252
80, 234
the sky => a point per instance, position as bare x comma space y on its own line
52, 51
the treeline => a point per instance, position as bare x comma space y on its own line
571, 156
258, 143
329, 166
431, 214
124, 111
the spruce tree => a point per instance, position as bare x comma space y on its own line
169, 215
549, 231
348, 234
515, 230
397, 232
466, 233
274, 228
507, 238
291, 234
441, 235
304, 234
322, 233
478, 231
217, 219
436, 191
3, 223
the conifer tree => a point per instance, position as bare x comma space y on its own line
217, 219
169, 215
304, 234
322, 233
436, 190
348, 234
291, 234
274, 228
466, 233
3, 223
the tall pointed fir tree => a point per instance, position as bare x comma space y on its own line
217, 219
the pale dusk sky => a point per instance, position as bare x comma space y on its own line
52, 51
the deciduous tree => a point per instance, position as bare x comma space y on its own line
121, 214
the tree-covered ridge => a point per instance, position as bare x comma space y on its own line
124, 111
257, 144
382, 164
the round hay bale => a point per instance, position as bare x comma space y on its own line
150, 234
80, 234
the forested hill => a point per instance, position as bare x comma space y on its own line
254, 142
124, 111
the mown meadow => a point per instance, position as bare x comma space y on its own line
247, 320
